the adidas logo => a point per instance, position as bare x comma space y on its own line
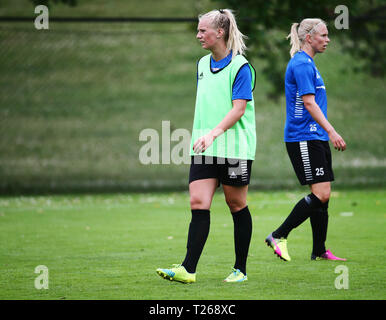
201, 76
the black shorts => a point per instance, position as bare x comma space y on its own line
311, 160
232, 172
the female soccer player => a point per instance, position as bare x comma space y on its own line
223, 142
306, 135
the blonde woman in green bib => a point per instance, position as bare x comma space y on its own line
223, 142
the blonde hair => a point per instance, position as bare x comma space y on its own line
225, 19
299, 31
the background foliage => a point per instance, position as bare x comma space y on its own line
270, 23
74, 99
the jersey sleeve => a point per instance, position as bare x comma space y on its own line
242, 84
304, 75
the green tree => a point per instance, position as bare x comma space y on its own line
269, 22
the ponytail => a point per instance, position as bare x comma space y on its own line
294, 39
225, 19
299, 31
235, 41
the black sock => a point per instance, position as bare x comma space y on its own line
319, 223
242, 222
298, 215
198, 233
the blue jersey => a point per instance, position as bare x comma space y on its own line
242, 84
301, 78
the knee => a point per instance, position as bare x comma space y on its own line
197, 202
323, 196
235, 204
322, 191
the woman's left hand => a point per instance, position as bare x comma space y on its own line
203, 143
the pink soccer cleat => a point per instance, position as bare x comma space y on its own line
327, 256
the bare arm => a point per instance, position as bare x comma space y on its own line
234, 115
317, 114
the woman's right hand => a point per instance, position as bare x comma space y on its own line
203, 143
337, 141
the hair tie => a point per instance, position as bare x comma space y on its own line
221, 10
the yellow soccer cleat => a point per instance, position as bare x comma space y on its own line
279, 247
177, 273
236, 276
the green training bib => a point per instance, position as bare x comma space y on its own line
214, 101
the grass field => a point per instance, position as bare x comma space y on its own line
73, 101
108, 247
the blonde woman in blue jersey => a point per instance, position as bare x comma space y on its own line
223, 142
307, 132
